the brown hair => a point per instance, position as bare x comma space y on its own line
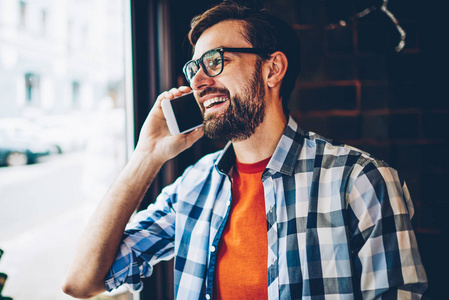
262, 30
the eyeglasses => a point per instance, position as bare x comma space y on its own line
212, 61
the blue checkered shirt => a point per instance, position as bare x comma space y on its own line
338, 226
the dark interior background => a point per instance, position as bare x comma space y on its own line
354, 87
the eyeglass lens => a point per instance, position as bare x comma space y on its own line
211, 62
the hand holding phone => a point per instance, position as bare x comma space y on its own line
182, 114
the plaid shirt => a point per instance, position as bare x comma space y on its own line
338, 226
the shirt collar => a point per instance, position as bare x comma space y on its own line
284, 157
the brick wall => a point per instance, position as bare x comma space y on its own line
354, 87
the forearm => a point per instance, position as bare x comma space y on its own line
99, 243
100, 240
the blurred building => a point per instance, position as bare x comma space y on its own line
59, 55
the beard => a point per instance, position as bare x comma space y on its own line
245, 112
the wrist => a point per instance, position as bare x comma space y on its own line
143, 161
138, 174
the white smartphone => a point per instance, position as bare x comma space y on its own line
182, 114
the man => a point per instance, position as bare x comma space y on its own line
278, 214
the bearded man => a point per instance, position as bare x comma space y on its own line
278, 214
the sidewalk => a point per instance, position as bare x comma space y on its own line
36, 260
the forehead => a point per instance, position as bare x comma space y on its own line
224, 34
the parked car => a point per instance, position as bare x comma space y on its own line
68, 133
17, 150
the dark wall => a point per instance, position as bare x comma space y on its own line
354, 87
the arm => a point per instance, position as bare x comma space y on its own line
384, 248
101, 238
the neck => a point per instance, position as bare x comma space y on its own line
263, 142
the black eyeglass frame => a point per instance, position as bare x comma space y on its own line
199, 62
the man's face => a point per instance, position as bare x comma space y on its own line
233, 102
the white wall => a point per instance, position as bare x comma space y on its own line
79, 42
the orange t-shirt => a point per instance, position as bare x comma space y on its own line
241, 270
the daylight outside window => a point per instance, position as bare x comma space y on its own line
62, 133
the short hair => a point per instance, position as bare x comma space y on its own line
262, 30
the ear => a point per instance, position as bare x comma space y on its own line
277, 65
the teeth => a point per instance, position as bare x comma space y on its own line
208, 103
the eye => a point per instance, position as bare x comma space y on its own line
214, 62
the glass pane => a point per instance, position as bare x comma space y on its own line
62, 133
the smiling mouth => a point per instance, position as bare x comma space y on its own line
214, 101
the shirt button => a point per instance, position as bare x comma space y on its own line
212, 248
207, 296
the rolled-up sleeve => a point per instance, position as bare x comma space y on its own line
383, 243
148, 239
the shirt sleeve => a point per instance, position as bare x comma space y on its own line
148, 239
383, 243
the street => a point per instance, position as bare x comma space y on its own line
43, 209
30, 195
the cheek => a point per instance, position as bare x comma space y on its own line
236, 85
235, 78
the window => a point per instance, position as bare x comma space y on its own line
32, 89
22, 13
75, 93
63, 135
44, 21
69, 35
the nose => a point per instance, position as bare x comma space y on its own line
201, 80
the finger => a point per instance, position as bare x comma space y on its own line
162, 96
184, 89
193, 136
172, 93
175, 93
178, 92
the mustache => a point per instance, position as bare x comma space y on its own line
213, 90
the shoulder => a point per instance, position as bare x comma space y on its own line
353, 163
331, 151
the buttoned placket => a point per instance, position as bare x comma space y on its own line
213, 248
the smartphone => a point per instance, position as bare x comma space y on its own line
182, 114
